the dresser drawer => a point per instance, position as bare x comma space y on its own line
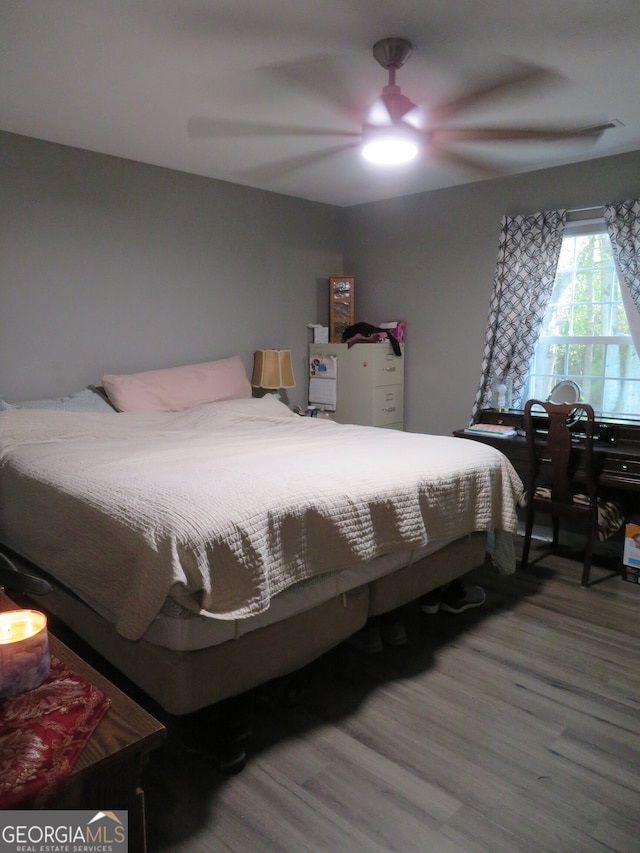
388, 368
364, 373
387, 404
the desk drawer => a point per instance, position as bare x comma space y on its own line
515, 449
618, 470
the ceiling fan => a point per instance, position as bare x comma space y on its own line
396, 138
391, 132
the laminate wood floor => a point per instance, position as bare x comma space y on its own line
512, 727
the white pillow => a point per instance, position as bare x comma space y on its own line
174, 389
89, 399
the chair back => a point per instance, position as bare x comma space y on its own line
550, 441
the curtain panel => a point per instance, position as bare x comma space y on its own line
528, 254
623, 224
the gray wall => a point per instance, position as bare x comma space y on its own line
430, 259
107, 265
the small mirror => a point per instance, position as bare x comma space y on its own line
566, 391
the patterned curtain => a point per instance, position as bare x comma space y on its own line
528, 255
623, 225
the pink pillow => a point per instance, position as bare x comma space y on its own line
176, 388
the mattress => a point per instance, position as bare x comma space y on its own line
182, 682
179, 629
224, 507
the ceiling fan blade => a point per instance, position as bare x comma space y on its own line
325, 78
272, 171
518, 77
462, 161
444, 135
208, 128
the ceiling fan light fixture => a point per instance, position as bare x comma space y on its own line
389, 146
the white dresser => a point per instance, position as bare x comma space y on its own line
369, 384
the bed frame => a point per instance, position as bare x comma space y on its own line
183, 682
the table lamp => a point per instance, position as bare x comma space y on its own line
272, 369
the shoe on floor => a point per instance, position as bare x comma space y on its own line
226, 754
393, 632
430, 603
367, 640
459, 600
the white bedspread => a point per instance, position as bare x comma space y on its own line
227, 504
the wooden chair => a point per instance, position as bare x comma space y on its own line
561, 479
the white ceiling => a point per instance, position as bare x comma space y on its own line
124, 77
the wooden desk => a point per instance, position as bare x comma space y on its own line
108, 771
617, 449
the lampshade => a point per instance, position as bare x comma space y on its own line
272, 368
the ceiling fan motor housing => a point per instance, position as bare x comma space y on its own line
392, 53
397, 104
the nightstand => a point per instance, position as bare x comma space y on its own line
108, 771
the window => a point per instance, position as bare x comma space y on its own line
585, 334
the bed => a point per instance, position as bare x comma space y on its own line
207, 550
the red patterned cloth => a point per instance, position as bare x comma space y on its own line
42, 733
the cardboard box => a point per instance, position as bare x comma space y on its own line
631, 574
631, 555
320, 333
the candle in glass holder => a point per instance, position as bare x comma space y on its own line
24, 651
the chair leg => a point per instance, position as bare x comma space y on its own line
586, 571
524, 560
588, 551
555, 521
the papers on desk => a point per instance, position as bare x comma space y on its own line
494, 430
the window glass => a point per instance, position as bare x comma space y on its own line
585, 334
